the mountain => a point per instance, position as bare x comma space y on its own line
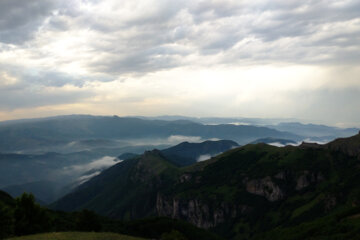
50, 175
314, 131
275, 141
256, 191
151, 162
129, 188
45, 175
45, 191
62, 132
6, 199
187, 153
349, 146
223, 120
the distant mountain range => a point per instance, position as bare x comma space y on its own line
44, 134
315, 131
256, 191
74, 133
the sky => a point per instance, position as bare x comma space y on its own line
222, 58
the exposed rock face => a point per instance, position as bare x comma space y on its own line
307, 178
198, 213
304, 145
281, 175
209, 214
185, 177
265, 187
146, 170
350, 150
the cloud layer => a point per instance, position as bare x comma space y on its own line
243, 58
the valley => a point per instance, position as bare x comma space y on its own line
235, 191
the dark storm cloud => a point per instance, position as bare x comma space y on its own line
33, 77
20, 19
303, 18
30, 89
58, 24
141, 60
29, 97
207, 10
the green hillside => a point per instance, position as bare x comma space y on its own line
76, 236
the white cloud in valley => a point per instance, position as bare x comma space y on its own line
203, 157
97, 164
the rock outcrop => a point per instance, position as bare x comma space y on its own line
265, 187
204, 215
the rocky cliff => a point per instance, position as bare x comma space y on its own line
202, 214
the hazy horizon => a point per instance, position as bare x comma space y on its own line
259, 121
217, 58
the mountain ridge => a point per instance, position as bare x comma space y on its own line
62, 131
247, 184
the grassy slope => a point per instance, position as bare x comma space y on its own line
76, 236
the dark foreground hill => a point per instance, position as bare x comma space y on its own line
252, 192
22, 216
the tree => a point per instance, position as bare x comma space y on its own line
88, 221
30, 217
6, 221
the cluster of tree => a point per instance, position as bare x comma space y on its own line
24, 216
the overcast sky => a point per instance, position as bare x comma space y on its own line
229, 58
